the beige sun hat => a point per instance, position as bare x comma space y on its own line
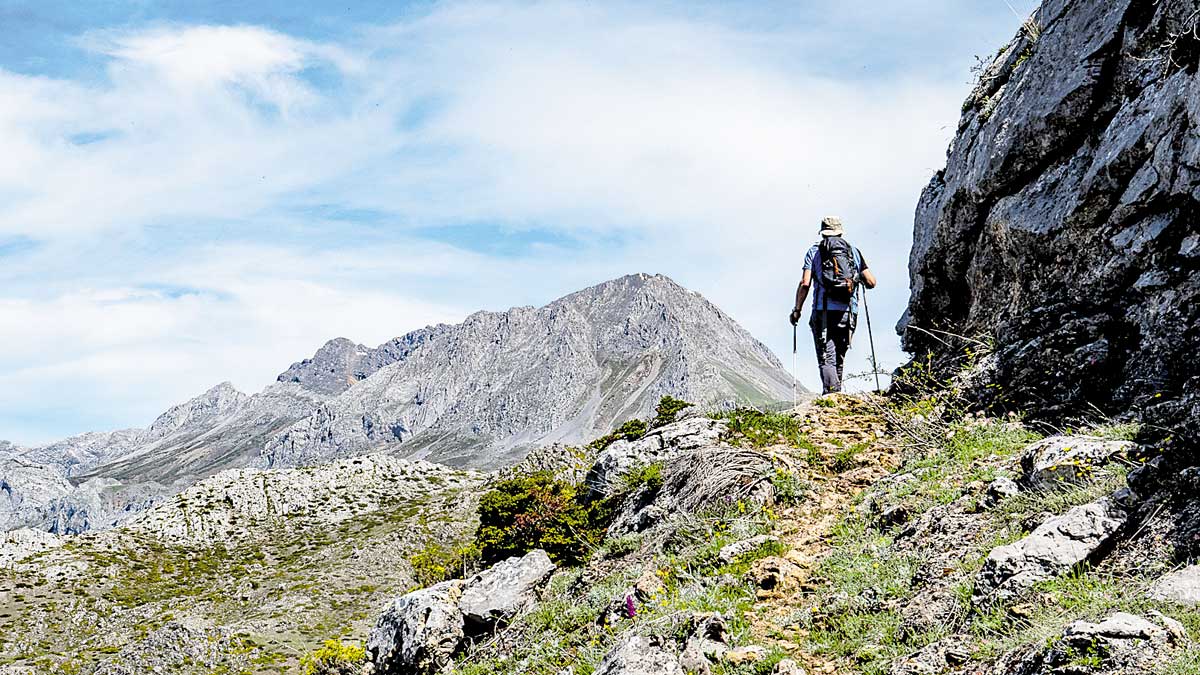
831, 226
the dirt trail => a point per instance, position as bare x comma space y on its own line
851, 449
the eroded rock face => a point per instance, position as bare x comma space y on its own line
1068, 458
640, 655
1056, 546
1065, 224
419, 632
509, 587
1120, 643
618, 459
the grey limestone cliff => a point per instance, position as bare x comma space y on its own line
1064, 227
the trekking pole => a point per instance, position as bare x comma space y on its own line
794, 401
871, 337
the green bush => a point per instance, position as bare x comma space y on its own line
538, 511
629, 431
649, 476
666, 411
437, 562
334, 658
789, 488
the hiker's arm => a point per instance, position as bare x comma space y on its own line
868, 278
802, 289
801, 296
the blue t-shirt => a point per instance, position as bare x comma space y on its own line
812, 262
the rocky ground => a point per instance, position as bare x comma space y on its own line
242, 573
856, 535
853, 534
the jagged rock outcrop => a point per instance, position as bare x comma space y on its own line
419, 632
496, 595
1120, 643
614, 463
692, 481
482, 393
1065, 225
1055, 547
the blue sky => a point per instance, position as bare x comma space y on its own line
196, 192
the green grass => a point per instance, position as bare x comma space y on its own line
789, 488
1083, 594
1186, 662
563, 629
759, 429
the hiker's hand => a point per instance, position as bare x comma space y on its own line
794, 317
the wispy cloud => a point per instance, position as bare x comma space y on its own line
226, 197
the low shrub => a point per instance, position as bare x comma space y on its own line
649, 476
629, 431
758, 429
538, 512
437, 562
334, 658
789, 488
668, 408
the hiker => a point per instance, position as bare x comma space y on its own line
840, 269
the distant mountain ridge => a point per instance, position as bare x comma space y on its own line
479, 394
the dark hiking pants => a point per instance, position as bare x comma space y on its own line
832, 345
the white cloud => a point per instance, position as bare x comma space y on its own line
670, 142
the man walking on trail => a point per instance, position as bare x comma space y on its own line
836, 270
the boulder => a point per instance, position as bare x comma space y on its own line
1119, 626
509, 587
640, 655
419, 632
1060, 459
998, 490
1056, 546
608, 473
1182, 586
737, 549
707, 644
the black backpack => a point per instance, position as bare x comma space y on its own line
839, 269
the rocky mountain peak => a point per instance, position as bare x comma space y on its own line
483, 392
218, 402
